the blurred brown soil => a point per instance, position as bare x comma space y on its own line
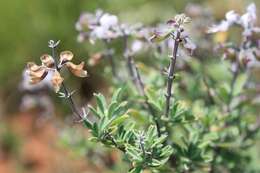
39, 152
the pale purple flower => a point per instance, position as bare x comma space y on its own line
222, 27
137, 46
189, 45
247, 21
108, 20
246, 55
232, 17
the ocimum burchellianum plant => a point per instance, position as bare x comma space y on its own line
147, 118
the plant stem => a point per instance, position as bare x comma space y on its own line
235, 74
137, 80
114, 143
171, 70
149, 107
210, 96
129, 60
65, 89
111, 60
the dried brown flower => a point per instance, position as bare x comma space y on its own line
38, 73
56, 81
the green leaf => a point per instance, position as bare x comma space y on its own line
166, 151
101, 102
159, 140
155, 163
120, 108
223, 92
116, 95
151, 132
153, 99
111, 109
239, 84
94, 111
95, 131
138, 169
134, 153
87, 123
119, 120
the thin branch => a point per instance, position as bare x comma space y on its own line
63, 86
171, 70
114, 143
210, 96
128, 59
137, 80
235, 74
149, 107
111, 60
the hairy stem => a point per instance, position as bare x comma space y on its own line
171, 70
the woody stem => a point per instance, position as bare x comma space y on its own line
171, 70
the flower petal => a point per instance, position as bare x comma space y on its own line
65, 56
189, 45
32, 66
56, 81
47, 60
108, 20
36, 73
77, 70
221, 27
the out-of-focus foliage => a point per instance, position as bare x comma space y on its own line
213, 119
35, 22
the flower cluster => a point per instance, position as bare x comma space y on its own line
247, 21
97, 26
105, 26
49, 66
177, 24
247, 53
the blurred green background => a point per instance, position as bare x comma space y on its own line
26, 26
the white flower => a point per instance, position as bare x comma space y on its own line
189, 45
251, 9
222, 27
78, 26
249, 18
108, 20
232, 17
247, 21
100, 32
247, 56
137, 45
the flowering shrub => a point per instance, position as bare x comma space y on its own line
194, 120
